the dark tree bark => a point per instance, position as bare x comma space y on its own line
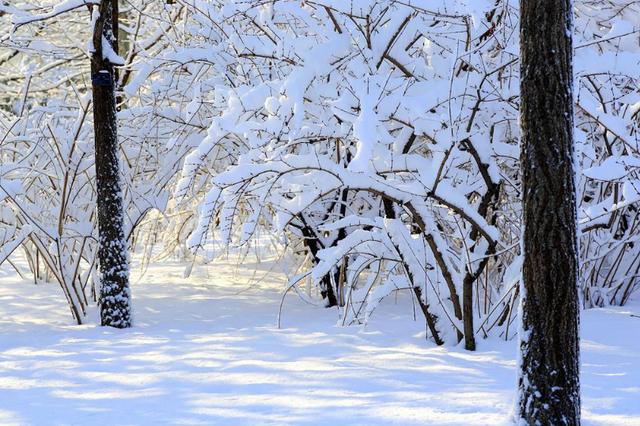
549, 382
115, 297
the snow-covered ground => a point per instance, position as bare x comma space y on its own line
206, 350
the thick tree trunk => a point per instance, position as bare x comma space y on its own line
549, 382
115, 298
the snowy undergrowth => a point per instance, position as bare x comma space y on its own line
206, 350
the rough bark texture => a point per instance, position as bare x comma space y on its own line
115, 298
549, 382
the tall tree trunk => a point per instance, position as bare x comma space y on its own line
548, 382
115, 297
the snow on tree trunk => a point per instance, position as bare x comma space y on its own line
548, 383
115, 297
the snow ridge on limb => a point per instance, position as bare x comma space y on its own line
24, 18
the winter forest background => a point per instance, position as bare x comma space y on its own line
311, 189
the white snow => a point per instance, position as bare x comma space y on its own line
206, 350
109, 54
